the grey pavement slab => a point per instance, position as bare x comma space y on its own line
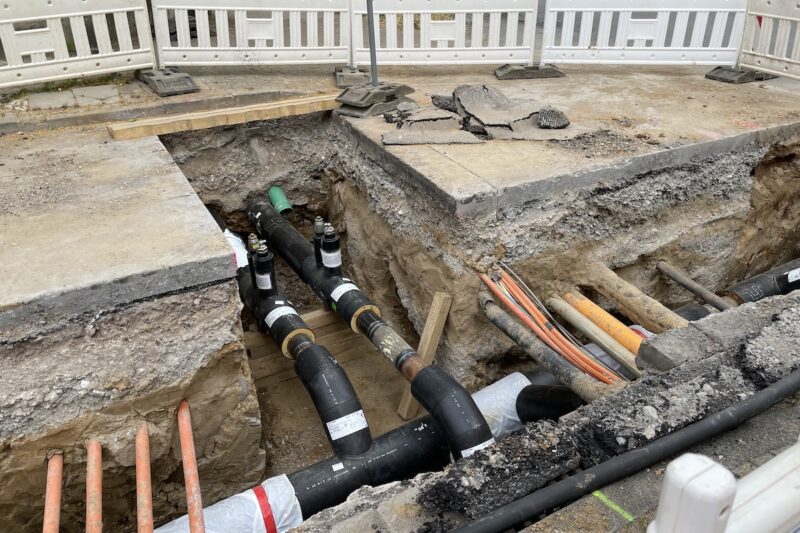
97, 95
625, 122
52, 100
89, 224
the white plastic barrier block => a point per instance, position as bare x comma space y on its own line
696, 497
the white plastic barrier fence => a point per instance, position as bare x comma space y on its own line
701, 496
431, 32
259, 32
772, 37
46, 40
664, 32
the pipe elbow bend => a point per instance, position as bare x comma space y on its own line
454, 410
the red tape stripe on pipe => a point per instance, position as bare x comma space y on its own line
266, 509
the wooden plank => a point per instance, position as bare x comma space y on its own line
431, 334
222, 117
326, 325
267, 372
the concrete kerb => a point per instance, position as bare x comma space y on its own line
539, 191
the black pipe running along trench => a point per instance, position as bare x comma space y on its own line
419, 446
574, 487
444, 398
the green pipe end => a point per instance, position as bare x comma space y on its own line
279, 201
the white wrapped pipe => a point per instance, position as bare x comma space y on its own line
498, 404
246, 512
269, 508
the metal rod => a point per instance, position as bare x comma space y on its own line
94, 487
682, 278
144, 487
52, 495
191, 477
620, 354
373, 47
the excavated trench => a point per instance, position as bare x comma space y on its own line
721, 219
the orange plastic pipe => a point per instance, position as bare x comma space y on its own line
191, 477
144, 487
94, 487
605, 321
596, 368
52, 495
544, 334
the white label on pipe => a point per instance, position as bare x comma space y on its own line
794, 275
264, 282
477, 448
341, 290
277, 313
332, 260
337, 467
347, 425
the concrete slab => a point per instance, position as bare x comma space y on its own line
89, 224
52, 100
633, 121
97, 95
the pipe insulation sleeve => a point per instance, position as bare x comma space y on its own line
253, 511
498, 404
622, 466
454, 410
334, 398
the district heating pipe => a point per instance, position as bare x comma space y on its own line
330, 389
284, 502
442, 396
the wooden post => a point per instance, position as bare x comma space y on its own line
632, 302
431, 334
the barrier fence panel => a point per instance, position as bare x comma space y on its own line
665, 32
772, 37
258, 32
47, 40
427, 32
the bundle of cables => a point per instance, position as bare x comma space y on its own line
520, 299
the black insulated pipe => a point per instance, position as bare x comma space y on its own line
461, 420
416, 447
331, 252
622, 466
550, 402
327, 383
780, 280
334, 398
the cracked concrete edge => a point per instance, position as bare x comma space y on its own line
493, 200
100, 297
539, 191
11, 123
463, 206
712, 334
